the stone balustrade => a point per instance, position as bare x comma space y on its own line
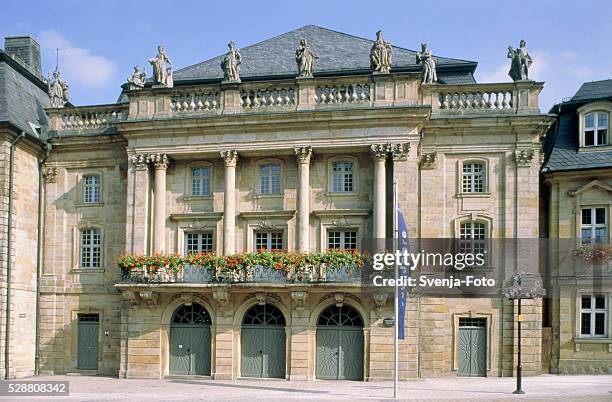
86, 118
511, 97
196, 101
262, 99
343, 94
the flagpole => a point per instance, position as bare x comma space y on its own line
396, 298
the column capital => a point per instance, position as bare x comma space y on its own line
303, 154
230, 157
399, 152
140, 161
160, 161
380, 151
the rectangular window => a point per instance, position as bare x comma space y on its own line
90, 248
200, 181
343, 179
472, 238
593, 315
91, 189
473, 178
269, 240
270, 179
594, 225
596, 129
342, 240
198, 242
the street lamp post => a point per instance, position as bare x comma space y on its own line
524, 286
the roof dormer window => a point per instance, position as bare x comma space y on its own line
596, 129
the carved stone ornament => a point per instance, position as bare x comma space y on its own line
261, 298
428, 70
231, 64
129, 297
149, 297
140, 161
58, 90
265, 225
380, 55
299, 298
380, 299
303, 154
222, 296
521, 61
137, 79
305, 58
525, 285
162, 68
339, 298
380, 151
49, 174
523, 157
428, 160
399, 152
230, 157
187, 298
160, 161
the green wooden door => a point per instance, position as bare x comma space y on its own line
87, 341
190, 341
263, 351
472, 361
328, 351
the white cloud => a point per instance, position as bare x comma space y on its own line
78, 65
568, 55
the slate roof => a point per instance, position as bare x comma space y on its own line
562, 140
338, 53
23, 96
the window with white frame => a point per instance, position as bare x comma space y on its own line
594, 225
200, 242
596, 129
269, 240
91, 189
343, 178
473, 177
342, 239
472, 237
270, 178
200, 181
593, 315
90, 246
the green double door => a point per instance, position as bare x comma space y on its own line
339, 353
472, 353
190, 349
263, 351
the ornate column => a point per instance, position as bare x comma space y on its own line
137, 217
379, 153
230, 158
303, 154
160, 162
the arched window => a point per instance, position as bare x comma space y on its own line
596, 129
340, 316
191, 314
266, 314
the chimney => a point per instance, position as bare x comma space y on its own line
26, 51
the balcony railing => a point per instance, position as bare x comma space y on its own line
189, 273
303, 94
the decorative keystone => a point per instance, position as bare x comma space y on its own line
299, 298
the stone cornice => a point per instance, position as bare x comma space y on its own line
341, 212
197, 215
267, 214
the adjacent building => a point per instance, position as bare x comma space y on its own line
578, 198
252, 150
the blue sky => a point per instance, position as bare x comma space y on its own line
570, 41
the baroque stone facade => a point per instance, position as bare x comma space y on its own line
300, 164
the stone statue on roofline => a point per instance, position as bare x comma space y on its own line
380, 55
429, 65
231, 64
305, 59
58, 90
137, 79
162, 68
521, 61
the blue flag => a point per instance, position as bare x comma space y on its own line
403, 243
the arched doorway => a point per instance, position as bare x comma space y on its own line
262, 342
190, 341
339, 344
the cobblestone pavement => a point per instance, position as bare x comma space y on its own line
542, 388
